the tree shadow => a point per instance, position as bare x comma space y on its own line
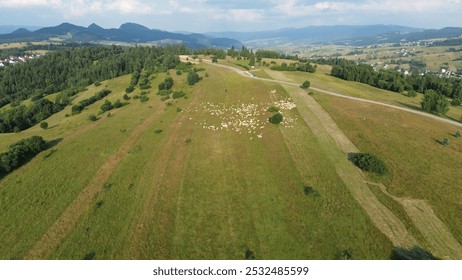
414, 253
410, 106
53, 143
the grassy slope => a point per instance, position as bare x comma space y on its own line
420, 167
322, 79
212, 198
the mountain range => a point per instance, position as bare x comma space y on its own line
127, 33
339, 34
137, 34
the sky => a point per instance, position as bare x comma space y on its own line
239, 15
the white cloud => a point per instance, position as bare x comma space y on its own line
299, 8
240, 15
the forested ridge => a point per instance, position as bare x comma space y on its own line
68, 71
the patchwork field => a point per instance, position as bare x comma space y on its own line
208, 177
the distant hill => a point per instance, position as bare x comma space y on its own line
127, 33
312, 34
6, 29
340, 34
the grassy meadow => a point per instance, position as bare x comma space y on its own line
204, 178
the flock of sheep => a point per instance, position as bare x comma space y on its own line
243, 118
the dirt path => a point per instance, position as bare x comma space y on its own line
69, 218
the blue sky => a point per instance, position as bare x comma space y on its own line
240, 15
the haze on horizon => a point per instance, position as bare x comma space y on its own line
239, 15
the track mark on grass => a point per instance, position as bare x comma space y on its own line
160, 207
335, 145
69, 218
440, 240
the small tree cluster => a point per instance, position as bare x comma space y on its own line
193, 78
76, 109
166, 84
436, 103
276, 118
20, 152
368, 163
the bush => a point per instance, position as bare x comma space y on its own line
125, 97
44, 125
276, 118
444, 141
273, 109
249, 255
117, 104
193, 78
97, 83
178, 72
144, 98
157, 131
179, 110
306, 84
368, 163
310, 191
458, 134
178, 94
129, 89
106, 106
412, 93
92, 118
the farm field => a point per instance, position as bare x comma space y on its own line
211, 180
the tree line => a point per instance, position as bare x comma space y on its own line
395, 81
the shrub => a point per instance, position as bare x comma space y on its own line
368, 163
157, 131
145, 87
249, 255
166, 97
92, 118
276, 118
129, 89
444, 141
458, 134
106, 106
178, 94
178, 72
97, 83
412, 93
179, 110
310, 191
188, 140
306, 84
125, 97
193, 78
44, 125
273, 109
117, 104
144, 98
